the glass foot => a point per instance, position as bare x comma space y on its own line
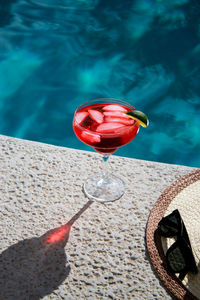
106, 189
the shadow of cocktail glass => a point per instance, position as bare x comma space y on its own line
33, 268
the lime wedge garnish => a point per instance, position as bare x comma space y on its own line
139, 116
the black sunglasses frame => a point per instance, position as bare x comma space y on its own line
173, 226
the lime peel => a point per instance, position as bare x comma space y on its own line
139, 116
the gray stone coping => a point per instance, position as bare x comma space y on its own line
103, 254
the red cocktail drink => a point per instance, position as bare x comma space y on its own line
105, 126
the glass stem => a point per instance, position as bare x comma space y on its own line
105, 167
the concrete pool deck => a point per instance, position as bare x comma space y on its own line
103, 255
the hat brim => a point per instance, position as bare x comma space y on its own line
184, 195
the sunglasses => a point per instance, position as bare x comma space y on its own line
179, 256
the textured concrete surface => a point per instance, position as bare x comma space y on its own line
103, 255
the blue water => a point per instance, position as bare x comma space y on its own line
56, 54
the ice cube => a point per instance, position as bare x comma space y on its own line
114, 107
116, 114
90, 137
120, 120
96, 115
80, 116
108, 127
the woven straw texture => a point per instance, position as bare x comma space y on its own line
183, 194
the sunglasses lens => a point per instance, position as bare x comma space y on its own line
175, 259
167, 230
169, 226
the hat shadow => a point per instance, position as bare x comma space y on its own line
35, 267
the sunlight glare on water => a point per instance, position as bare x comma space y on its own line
57, 54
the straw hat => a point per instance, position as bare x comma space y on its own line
184, 195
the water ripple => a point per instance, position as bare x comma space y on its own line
66, 5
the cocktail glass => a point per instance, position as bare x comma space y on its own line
104, 125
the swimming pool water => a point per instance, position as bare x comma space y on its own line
56, 54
